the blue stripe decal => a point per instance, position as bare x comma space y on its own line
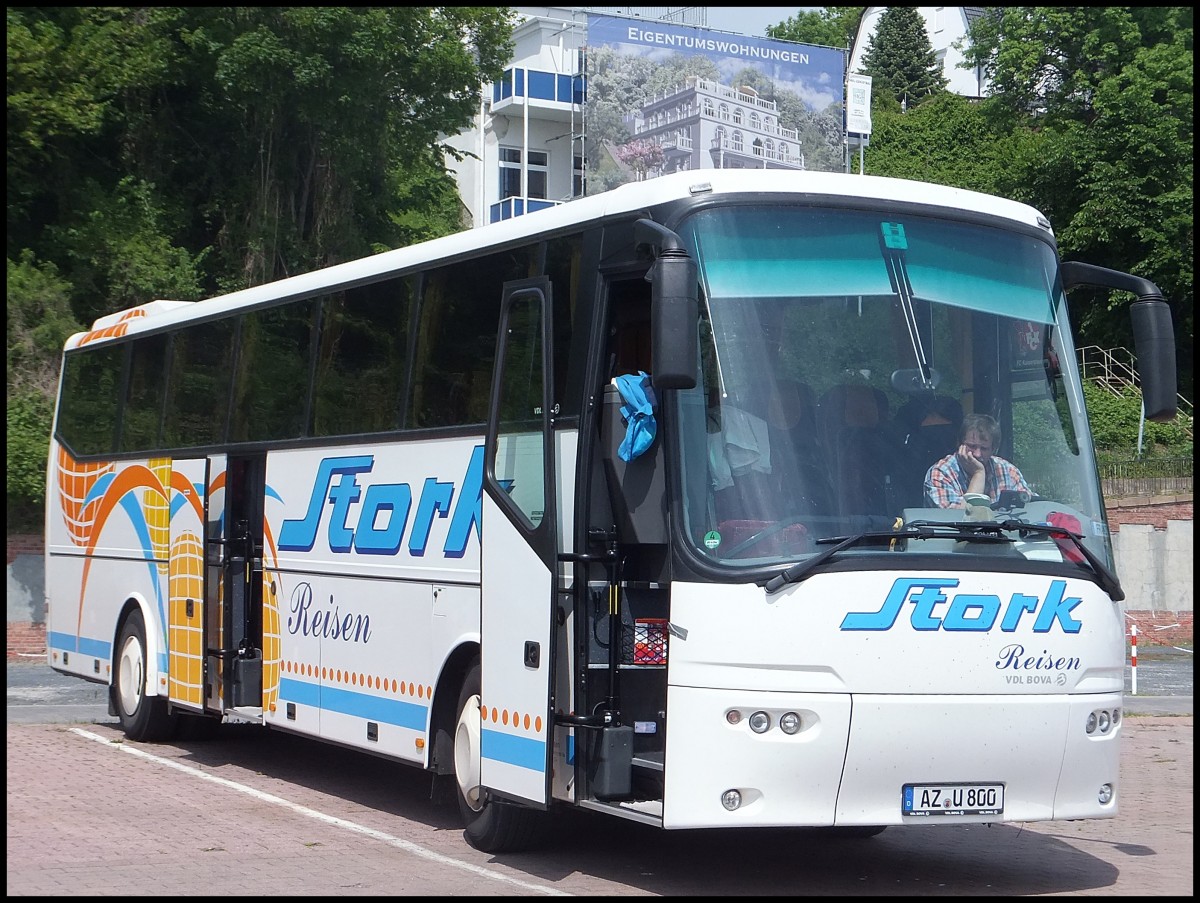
519, 751
359, 705
300, 691
97, 648
64, 642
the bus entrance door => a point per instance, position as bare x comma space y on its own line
519, 554
234, 555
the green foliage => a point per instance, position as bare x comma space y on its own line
900, 59
39, 321
1115, 422
182, 151
121, 254
947, 139
28, 424
827, 26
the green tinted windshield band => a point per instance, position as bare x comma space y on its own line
814, 252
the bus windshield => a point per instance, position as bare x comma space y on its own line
842, 353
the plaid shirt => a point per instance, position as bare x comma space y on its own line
945, 483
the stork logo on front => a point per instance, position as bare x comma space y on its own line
934, 609
375, 522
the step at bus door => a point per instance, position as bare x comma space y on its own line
519, 551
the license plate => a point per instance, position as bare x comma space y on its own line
925, 800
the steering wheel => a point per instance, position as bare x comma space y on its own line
762, 534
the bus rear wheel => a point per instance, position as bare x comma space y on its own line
142, 717
491, 826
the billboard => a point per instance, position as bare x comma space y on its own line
663, 98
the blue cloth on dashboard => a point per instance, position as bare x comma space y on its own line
638, 413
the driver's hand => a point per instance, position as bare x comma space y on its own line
968, 462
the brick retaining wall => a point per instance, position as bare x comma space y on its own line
1155, 628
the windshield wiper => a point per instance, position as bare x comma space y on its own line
918, 530
797, 572
968, 531
1107, 579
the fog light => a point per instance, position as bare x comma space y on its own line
1105, 795
1105, 722
731, 799
760, 722
733, 716
1091, 723
789, 722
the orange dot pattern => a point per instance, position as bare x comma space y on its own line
516, 719
404, 688
358, 679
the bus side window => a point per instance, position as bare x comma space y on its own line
630, 348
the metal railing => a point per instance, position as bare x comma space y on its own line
1113, 370
1146, 477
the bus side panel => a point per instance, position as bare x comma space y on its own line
186, 588
371, 572
106, 543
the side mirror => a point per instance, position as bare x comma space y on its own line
1153, 334
674, 309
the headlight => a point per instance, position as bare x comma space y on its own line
760, 722
789, 722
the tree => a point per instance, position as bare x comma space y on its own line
900, 59
181, 151
828, 26
949, 140
39, 321
1105, 94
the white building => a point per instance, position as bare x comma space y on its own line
527, 141
945, 26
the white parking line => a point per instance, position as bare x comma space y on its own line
404, 845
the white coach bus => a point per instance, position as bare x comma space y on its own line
627, 505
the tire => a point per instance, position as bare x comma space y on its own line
490, 825
142, 717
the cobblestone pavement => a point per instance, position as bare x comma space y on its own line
272, 814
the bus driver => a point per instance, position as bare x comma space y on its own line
973, 468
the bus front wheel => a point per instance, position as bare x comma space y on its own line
491, 826
142, 717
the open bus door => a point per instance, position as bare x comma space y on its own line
519, 553
233, 623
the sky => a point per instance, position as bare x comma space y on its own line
750, 20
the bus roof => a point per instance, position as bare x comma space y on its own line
624, 199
